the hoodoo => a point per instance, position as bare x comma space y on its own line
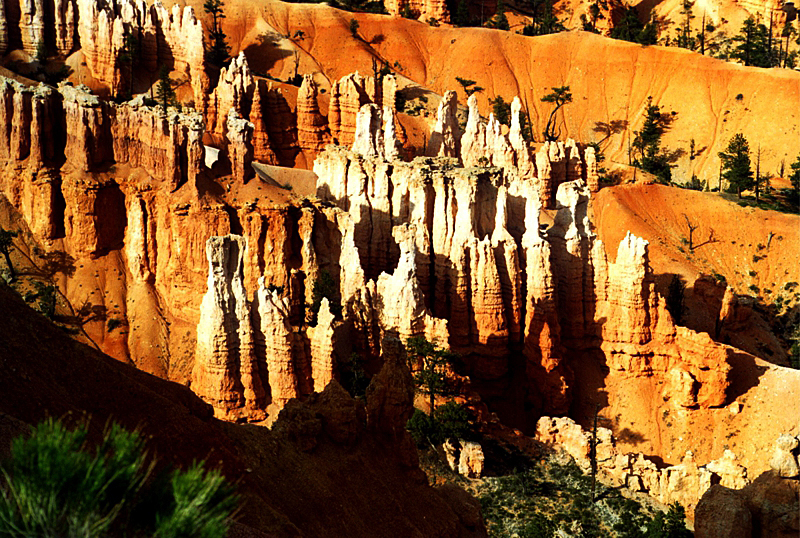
328, 283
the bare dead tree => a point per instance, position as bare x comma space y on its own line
692, 228
711, 239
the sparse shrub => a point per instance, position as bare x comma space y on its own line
753, 273
753, 288
794, 356
696, 184
43, 296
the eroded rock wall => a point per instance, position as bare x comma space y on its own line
685, 482
504, 290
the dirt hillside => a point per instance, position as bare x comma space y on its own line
610, 80
752, 250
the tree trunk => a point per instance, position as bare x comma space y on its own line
10, 266
758, 172
593, 453
703, 36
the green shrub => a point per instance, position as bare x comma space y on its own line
671, 525
354, 378
719, 278
54, 485
324, 288
423, 429
450, 421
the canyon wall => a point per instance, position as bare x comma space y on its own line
496, 259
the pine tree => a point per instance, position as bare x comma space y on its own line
164, 91
544, 24
7, 243
647, 142
795, 180
218, 51
500, 21
429, 363
755, 45
463, 18
685, 39
630, 28
501, 110
736, 164
560, 96
129, 55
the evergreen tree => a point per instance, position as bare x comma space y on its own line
630, 28
429, 363
218, 51
7, 243
164, 91
468, 86
647, 142
501, 110
45, 297
649, 34
544, 23
685, 38
500, 21
755, 45
462, 18
671, 525
795, 179
560, 96
41, 52
324, 287
55, 483
736, 164
354, 25
129, 55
